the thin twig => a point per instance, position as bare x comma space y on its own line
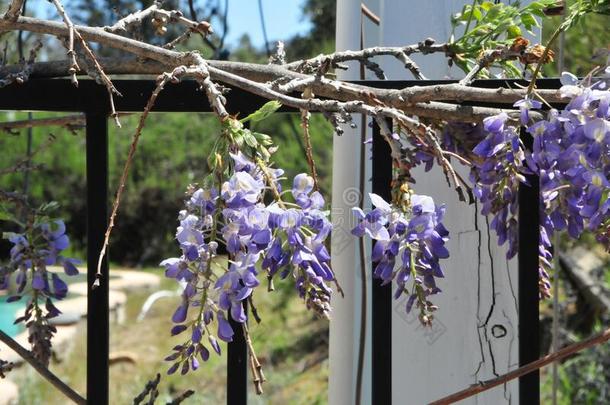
73, 33
427, 46
258, 378
149, 388
68, 121
42, 370
15, 198
14, 10
132, 19
254, 310
180, 398
71, 54
161, 82
305, 116
543, 58
24, 165
180, 38
22, 74
528, 368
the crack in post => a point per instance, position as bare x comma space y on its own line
479, 244
510, 284
507, 394
493, 300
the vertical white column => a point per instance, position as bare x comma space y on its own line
346, 166
345, 324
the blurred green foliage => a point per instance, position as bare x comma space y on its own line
488, 25
586, 43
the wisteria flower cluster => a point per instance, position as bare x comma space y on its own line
408, 246
498, 169
571, 154
40, 246
279, 239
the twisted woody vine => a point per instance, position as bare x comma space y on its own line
276, 229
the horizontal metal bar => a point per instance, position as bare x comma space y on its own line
61, 95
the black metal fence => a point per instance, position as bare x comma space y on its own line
92, 99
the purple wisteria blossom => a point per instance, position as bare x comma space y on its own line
407, 248
496, 176
279, 237
571, 154
32, 252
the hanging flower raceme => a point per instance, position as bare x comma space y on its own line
496, 176
571, 154
408, 247
31, 254
279, 237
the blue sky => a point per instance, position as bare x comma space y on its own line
283, 19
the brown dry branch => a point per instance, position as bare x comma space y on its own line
16, 198
68, 121
401, 53
161, 82
182, 397
179, 39
137, 18
25, 164
150, 390
528, 368
41, 369
305, 116
168, 59
100, 75
24, 69
21, 166
71, 53
14, 10
487, 58
160, 19
258, 377
215, 99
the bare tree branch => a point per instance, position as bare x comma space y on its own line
14, 10
160, 18
68, 121
42, 370
24, 69
425, 47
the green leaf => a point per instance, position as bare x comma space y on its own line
495, 11
48, 207
487, 5
238, 138
514, 31
476, 13
528, 21
264, 112
8, 235
4, 214
250, 139
263, 139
